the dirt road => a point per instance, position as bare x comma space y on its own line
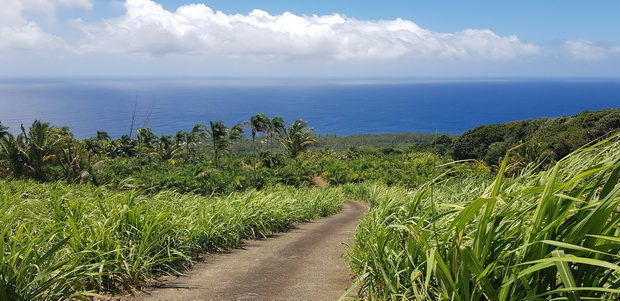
307, 263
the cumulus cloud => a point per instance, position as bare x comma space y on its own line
28, 37
49, 6
18, 33
198, 30
584, 50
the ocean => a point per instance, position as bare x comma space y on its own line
331, 106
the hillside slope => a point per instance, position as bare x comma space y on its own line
551, 137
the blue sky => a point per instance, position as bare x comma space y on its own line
532, 20
309, 38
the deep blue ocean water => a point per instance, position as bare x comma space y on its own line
340, 107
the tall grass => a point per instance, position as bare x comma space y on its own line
73, 241
536, 236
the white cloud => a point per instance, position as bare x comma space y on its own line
198, 30
28, 37
49, 6
584, 50
18, 33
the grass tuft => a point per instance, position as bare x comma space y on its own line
535, 236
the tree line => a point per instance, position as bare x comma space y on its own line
545, 139
42, 149
45, 152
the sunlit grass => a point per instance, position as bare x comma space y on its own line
71, 241
536, 236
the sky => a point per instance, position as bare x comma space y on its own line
336, 38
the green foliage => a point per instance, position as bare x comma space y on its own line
297, 138
236, 132
389, 140
234, 173
62, 241
12, 155
537, 236
460, 235
556, 137
259, 123
181, 163
219, 135
43, 152
474, 144
3, 130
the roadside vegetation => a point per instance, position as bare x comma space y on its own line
60, 240
469, 217
549, 235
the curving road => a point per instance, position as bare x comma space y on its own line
306, 263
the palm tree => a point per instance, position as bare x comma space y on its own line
146, 138
258, 123
6, 146
198, 134
278, 125
3, 130
103, 135
297, 138
236, 132
28, 153
39, 146
179, 137
125, 147
188, 139
12, 150
103, 139
272, 129
219, 135
164, 146
71, 154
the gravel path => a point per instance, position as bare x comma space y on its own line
306, 263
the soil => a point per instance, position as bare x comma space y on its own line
306, 263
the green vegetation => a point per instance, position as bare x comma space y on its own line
535, 222
204, 161
62, 240
40, 151
391, 140
548, 139
536, 236
297, 138
402, 167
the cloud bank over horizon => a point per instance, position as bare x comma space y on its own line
148, 31
198, 30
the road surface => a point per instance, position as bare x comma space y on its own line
306, 263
